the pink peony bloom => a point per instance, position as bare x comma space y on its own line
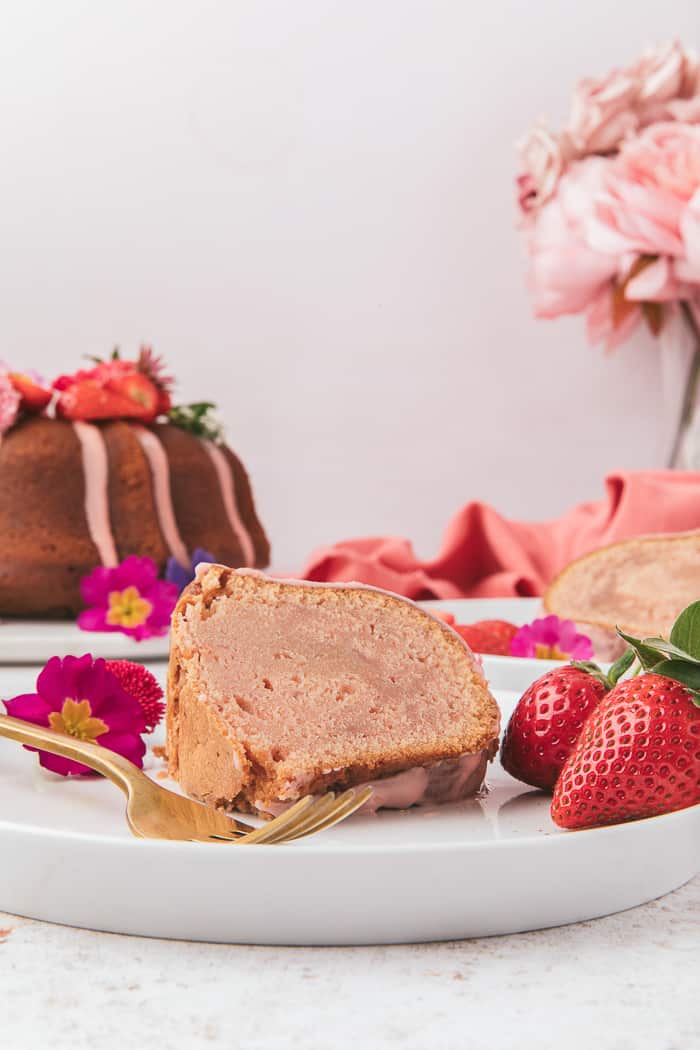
566, 275
621, 235
10, 400
551, 639
664, 84
542, 160
607, 325
129, 598
688, 268
647, 190
612, 203
79, 696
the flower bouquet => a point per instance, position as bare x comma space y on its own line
610, 208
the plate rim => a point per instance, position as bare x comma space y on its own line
582, 834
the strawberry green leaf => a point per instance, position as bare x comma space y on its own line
586, 665
685, 632
647, 655
680, 671
592, 669
114, 356
621, 666
669, 649
615, 673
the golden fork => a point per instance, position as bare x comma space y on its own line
153, 812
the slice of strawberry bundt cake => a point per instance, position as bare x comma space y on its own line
278, 689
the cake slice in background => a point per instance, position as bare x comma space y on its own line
640, 585
279, 689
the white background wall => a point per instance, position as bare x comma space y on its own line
307, 207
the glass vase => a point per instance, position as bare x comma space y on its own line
685, 449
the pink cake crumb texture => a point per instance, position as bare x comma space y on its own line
278, 689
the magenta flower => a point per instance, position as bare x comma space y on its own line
551, 639
129, 598
79, 696
10, 400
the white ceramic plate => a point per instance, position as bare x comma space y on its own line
503, 672
488, 866
35, 641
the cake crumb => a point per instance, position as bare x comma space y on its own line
159, 751
4, 934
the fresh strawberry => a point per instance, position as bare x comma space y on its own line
131, 389
165, 402
544, 728
90, 400
113, 368
139, 389
35, 397
63, 382
129, 395
488, 636
637, 756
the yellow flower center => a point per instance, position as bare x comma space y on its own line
549, 652
75, 719
127, 608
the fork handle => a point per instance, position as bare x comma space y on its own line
117, 768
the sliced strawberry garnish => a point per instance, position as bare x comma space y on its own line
63, 382
116, 389
165, 402
140, 391
488, 636
114, 368
90, 400
35, 397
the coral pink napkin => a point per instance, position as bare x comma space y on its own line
485, 555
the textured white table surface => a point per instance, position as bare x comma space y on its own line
627, 982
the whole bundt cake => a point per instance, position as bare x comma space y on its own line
81, 492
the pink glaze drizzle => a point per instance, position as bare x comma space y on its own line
447, 780
160, 471
96, 473
223, 472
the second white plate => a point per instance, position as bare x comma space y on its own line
503, 672
36, 641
